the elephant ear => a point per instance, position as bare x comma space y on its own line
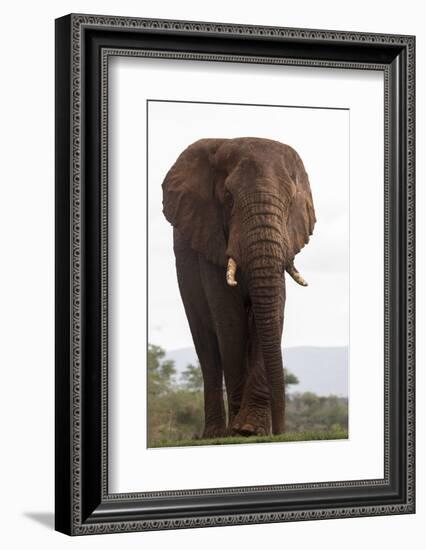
301, 217
190, 203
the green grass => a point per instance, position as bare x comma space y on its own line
302, 436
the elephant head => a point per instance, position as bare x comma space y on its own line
246, 204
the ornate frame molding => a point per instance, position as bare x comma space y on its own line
72, 47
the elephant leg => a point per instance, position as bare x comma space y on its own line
232, 347
208, 355
254, 416
203, 335
229, 318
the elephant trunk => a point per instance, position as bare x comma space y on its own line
265, 255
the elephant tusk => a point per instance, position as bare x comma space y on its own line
230, 272
292, 271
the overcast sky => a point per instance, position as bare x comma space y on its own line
315, 316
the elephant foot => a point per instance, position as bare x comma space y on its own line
250, 423
249, 429
212, 432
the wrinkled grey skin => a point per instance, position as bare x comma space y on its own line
247, 199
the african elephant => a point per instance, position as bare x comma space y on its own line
241, 210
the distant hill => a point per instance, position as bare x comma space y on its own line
323, 371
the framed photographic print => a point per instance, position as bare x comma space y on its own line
234, 274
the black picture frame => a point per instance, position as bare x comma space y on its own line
83, 504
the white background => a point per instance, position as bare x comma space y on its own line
322, 139
26, 219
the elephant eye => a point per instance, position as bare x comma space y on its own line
228, 198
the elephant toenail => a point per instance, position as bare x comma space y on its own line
247, 429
